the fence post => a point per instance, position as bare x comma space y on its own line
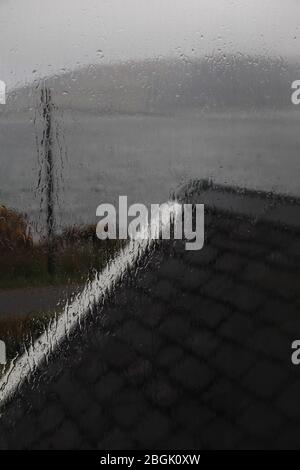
48, 143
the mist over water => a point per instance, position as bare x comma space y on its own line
147, 97
148, 157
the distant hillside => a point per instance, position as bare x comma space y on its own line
165, 86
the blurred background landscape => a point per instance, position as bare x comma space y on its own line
144, 128
145, 96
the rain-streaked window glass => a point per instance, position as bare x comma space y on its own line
149, 99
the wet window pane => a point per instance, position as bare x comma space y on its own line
188, 103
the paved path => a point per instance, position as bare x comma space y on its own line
25, 301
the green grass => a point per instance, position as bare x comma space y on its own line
73, 263
19, 332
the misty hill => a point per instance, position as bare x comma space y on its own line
166, 86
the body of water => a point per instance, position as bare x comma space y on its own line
146, 157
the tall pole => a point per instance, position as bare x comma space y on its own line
47, 139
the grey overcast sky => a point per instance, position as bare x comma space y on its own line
41, 37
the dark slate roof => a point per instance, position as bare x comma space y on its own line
191, 350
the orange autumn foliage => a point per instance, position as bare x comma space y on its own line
14, 231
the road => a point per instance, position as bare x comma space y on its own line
25, 301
